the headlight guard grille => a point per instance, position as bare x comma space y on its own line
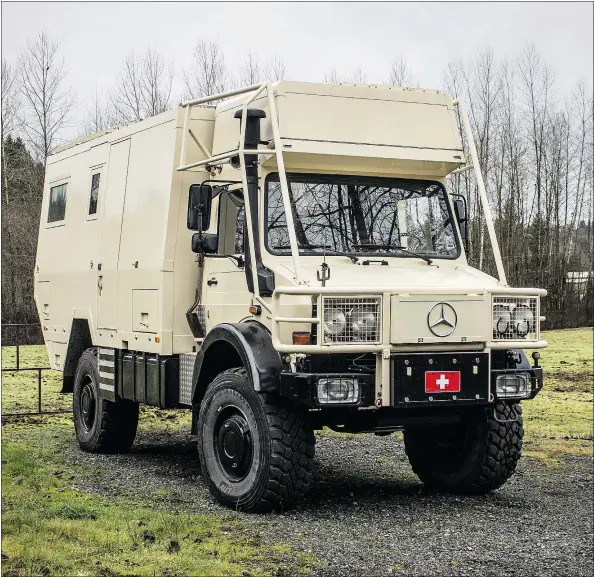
350, 307
516, 318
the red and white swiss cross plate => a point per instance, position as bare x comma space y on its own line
442, 382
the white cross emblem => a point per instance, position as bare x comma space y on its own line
442, 382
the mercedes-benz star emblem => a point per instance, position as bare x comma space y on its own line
442, 319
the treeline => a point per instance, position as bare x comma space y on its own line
536, 153
534, 141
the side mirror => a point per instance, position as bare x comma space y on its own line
460, 210
199, 203
462, 218
205, 243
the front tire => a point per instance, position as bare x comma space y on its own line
256, 450
475, 456
101, 426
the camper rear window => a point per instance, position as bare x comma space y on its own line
57, 203
94, 193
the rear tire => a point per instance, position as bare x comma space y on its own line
101, 426
474, 457
256, 450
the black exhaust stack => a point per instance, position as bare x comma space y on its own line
252, 141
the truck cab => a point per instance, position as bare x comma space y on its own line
319, 279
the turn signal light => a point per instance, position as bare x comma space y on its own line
256, 310
300, 338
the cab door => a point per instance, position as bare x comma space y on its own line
225, 293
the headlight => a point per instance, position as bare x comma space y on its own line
334, 321
351, 319
513, 385
522, 320
501, 319
363, 321
338, 390
515, 318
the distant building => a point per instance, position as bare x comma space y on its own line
579, 282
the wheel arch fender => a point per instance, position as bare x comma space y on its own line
234, 345
78, 342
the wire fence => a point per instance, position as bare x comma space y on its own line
15, 336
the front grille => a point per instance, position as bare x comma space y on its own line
351, 320
515, 318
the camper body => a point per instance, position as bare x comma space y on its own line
286, 260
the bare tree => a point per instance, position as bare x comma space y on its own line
126, 99
98, 116
207, 74
9, 108
250, 73
334, 77
536, 82
143, 87
156, 83
9, 98
484, 99
401, 74
47, 104
274, 69
359, 77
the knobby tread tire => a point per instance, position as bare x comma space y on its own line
289, 442
119, 422
291, 459
114, 429
493, 449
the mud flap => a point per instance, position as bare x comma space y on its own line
107, 365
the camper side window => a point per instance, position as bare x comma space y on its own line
57, 203
94, 198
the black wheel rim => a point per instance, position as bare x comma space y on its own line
233, 445
87, 405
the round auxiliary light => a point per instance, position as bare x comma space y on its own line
522, 320
502, 319
334, 322
363, 321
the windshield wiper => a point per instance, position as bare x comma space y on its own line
393, 247
328, 250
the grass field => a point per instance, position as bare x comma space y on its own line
50, 526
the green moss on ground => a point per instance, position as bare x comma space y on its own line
50, 527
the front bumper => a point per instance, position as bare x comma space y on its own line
477, 373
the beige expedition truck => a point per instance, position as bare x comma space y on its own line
284, 260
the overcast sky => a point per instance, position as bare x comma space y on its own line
311, 38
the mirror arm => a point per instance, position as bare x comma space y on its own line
199, 218
238, 259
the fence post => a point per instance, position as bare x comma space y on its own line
39, 391
39, 411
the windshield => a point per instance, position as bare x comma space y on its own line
357, 215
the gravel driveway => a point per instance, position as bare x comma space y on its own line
367, 514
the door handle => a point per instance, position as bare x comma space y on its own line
212, 281
100, 284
